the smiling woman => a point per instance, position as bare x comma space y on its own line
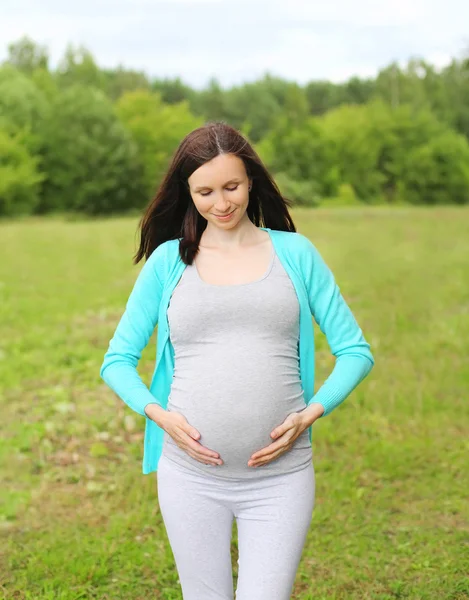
231, 405
215, 197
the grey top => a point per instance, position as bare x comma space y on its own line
236, 372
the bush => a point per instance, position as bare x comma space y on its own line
437, 172
302, 193
19, 178
90, 159
345, 197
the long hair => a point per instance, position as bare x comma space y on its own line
172, 213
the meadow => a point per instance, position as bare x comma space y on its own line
79, 520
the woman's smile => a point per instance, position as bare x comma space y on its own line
225, 217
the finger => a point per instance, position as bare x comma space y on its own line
268, 456
193, 433
203, 450
283, 428
258, 463
212, 461
278, 431
198, 448
268, 449
207, 460
265, 460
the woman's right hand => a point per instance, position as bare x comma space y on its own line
185, 436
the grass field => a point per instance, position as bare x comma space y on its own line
79, 520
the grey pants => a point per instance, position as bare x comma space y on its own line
273, 515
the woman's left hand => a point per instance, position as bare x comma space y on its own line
285, 434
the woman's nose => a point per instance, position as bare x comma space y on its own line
221, 202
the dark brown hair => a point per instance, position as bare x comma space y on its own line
172, 213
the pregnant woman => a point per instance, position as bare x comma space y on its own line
231, 404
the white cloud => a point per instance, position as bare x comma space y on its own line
362, 13
239, 41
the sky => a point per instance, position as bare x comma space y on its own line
238, 41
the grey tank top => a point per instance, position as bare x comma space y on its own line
236, 372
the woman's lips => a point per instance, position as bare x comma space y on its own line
226, 217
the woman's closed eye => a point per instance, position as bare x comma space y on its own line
229, 189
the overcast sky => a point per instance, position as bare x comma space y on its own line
239, 40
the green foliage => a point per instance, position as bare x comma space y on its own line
156, 129
46, 83
253, 104
438, 172
92, 164
252, 107
304, 153
78, 66
355, 148
101, 139
302, 192
22, 105
376, 148
19, 176
210, 102
369, 152
345, 197
120, 80
173, 91
27, 56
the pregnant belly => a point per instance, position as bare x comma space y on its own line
238, 426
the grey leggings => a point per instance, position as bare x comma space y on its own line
273, 514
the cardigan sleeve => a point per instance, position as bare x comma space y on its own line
354, 359
132, 334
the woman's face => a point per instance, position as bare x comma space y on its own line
219, 188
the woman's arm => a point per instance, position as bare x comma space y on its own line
133, 332
354, 359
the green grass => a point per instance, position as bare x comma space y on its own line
79, 520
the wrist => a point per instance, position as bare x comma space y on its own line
156, 413
311, 413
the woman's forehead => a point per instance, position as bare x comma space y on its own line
218, 171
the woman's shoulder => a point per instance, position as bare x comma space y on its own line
165, 248
293, 240
300, 249
163, 255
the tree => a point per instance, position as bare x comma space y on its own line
438, 171
19, 177
90, 160
455, 79
251, 108
79, 67
302, 154
27, 56
156, 128
173, 91
358, 91
210, 102
121, 80
351, 131
23, 107
323, 96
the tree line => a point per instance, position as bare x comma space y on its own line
97, 141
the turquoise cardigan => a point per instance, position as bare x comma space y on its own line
318, 295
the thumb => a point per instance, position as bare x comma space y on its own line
278, 431
194, 434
